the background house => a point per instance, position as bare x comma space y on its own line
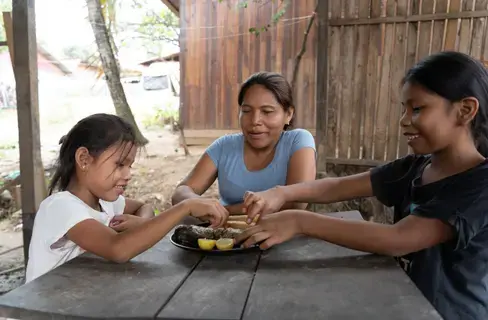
347, 92
50, 73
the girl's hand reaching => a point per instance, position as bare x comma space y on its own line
209, 210
263, 203
271, 230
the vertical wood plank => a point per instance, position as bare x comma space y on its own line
424, 29
439, 26
7, 21
397, 70
410, 59
184, 101
372, 81
452, 26
359, 85
26, 78
484, 45
479, 26
210, 35
465, 28
348, 73
335, 82
322, 76
383, 94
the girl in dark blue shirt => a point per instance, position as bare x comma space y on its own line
439, 193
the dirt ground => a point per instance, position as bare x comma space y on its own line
156, 172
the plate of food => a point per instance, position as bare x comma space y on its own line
202, 238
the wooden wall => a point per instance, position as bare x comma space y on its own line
371, 43
218, 53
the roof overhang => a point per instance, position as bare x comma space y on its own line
173, 5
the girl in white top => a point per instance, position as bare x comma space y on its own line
89, 213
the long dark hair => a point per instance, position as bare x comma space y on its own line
97, 133
275, 83
455, 76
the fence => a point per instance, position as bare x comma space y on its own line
370, 45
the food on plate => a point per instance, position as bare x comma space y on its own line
243, 217
206, 244
225, 244
188, 235
238, 225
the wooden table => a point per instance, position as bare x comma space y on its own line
300, 279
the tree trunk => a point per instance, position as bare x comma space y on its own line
110, 67
300, 54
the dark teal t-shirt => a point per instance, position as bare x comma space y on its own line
453, 276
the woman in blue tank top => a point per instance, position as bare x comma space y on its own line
265, 154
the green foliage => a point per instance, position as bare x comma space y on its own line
162, 26
283, 5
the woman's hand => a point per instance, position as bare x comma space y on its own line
271, 230
125, 221
263, 203
209, 210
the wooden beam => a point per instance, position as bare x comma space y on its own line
7, 21
413, 18
321, 79
31, 169
172, 6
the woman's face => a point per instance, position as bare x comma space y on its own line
262, 118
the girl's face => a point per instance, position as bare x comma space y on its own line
430, 122
261, 117
107, 176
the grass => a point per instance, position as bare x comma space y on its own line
161, 116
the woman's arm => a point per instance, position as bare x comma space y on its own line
197, 181
301, 168
137, 208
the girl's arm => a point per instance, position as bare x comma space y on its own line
101, 240
326, 190
137, 208
197, 181
329, 190
411, 234
301, 168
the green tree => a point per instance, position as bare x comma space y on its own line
110, 64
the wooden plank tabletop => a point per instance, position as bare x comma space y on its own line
89, 287
300, 279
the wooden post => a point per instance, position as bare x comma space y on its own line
31, 169
7, 21
322, 84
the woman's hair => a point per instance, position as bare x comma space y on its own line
97, 133
275, 83
455, 76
